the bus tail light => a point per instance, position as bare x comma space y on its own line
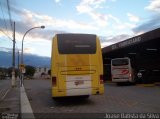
101, 79
54, 81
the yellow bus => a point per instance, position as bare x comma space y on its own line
76, 65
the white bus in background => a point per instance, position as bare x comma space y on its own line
121, 70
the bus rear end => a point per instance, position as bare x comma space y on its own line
78, 65
121, 70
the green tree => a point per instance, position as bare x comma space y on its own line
30, 70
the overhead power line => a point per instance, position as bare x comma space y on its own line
9, 13
3, 17
6, 34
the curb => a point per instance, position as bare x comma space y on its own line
149, 85
26, 110
157, 84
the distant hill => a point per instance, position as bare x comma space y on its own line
29, 59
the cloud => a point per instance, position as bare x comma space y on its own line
90, 7
154, 20
115, 19
153, 23
105, 21
123, 27
29, 50
27, 20
5, 30
106, 41
154, 6
133, 18
119, 38
6, 49
91, 4
4, 4
57, 1
21, 28
30, 19
105, 44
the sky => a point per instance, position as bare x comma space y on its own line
111, 20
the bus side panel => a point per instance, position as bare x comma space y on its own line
56, 62
100, 66
98, 88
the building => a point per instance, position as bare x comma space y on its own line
143, 50
41, 73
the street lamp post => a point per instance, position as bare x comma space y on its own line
42, 27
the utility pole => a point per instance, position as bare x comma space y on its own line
18, 75
18, 61
13, 59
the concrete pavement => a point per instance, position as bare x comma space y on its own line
4, 88
14, 101
9, 100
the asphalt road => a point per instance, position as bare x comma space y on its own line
117, 99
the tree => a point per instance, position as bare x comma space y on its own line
30, 70
9, 72
49, 72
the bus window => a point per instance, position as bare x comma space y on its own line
76, 44
120, 62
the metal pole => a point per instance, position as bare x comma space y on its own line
23, 40
13, 59
18, 61
22, 75
18, 75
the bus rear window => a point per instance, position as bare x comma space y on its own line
76, 43
119, 62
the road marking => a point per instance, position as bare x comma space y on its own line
26, 110
5, 94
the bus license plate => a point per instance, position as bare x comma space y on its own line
79, 83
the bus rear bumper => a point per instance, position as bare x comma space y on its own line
71, 92
77, 92
58, 93
97, 91
121, 80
